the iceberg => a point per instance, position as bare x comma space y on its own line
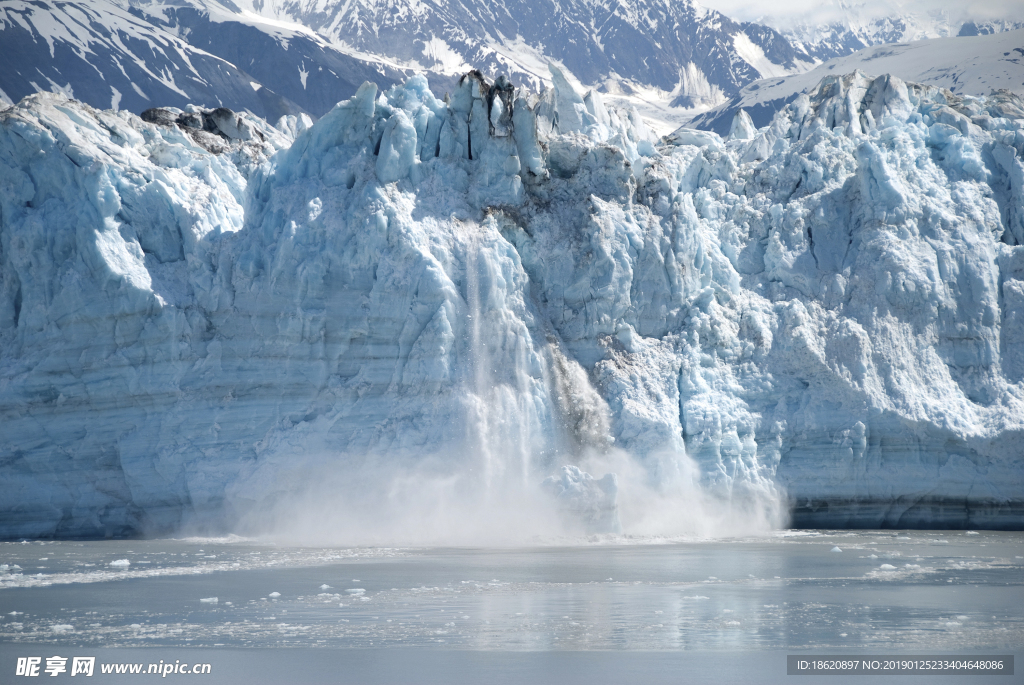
414, 300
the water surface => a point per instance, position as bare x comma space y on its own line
822, 592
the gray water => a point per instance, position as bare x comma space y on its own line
880, 592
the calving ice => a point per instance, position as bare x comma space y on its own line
504, 315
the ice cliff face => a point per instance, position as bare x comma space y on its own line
200, 312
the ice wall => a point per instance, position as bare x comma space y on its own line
201, 313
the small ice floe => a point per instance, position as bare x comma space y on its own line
63, 628
120, 563
356, 591
325, 586
872, 556
836, 549
274, 594
887, 567
842, 634
972, 532
209, 600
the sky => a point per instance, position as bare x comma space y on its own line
789, 12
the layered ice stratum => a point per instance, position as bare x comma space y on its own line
516, 298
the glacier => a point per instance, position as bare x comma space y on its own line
527, 303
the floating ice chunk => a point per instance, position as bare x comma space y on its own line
325, 586
209, 600
120, 563
972, 532
836, 549
274, 594
887, 567
63, 628
356, 591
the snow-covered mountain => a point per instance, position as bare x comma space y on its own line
112, 54
964, 65
649, 42
279, 57
513, 302
838, 28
